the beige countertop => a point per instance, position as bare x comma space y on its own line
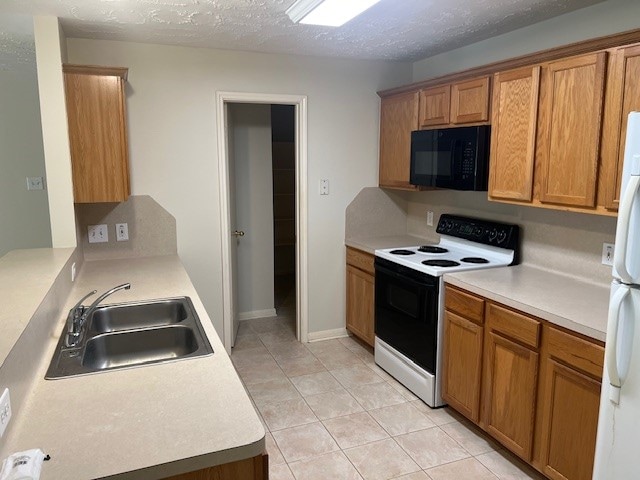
148, 422
370, 244
565, 301
25, 278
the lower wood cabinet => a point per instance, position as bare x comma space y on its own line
569, 403
255, 468
534, 387
360, 295
463, 344
510, 388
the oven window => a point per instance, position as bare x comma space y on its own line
406, 316
403, 300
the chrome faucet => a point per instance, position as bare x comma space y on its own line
94, 305
79, 314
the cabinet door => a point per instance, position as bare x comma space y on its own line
569, 129
398, 118
462, 365
570, 400
470, 101
511, 373
97, 135
571, 411
623, 96
434, 106
513, 134
360, 304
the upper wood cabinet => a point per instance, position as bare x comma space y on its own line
470, 101
435, 105
398, 118
513, 134
623, 97
97, 133
569, 127
455, 104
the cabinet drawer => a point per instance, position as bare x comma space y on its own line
360, 259
519, 327
465, 304
576, 352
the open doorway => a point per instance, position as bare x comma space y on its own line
286, 210
283, 150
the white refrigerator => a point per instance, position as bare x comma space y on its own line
618, 440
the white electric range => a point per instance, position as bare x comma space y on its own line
409, 296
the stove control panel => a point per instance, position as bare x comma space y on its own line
503, 235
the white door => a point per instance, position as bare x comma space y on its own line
619, 417
235, 233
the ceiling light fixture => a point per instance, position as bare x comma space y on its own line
332, 13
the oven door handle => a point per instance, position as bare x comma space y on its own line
404, 278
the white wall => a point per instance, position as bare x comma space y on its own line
172, 131
605, 18
24, 215
50, 54
253, 193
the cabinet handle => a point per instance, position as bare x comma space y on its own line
238, 233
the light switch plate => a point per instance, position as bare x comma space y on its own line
607, 254
35, 183
98, 233
5, 411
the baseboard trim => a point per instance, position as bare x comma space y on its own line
327, 334
269, 312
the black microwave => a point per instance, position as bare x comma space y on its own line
453, 158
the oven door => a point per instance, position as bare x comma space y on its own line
406, 312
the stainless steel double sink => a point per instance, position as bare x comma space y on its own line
132, 334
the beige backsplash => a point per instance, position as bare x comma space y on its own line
565, 242
152, 230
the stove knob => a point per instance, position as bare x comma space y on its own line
502, 236
478, 232
493, 234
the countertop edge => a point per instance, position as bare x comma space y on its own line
527, 308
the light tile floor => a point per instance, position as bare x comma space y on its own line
331, 413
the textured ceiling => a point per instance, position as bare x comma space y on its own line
392, 29
17, 50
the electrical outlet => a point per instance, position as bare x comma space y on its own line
5, 411
430, 218
324, 187
122, 232
607, 254
98, 233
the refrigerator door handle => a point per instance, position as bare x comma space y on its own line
622, 233
611, 359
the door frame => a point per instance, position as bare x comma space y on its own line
302, 293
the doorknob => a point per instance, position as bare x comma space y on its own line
239, 233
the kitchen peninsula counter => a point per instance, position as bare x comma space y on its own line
566, 301
147, 422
